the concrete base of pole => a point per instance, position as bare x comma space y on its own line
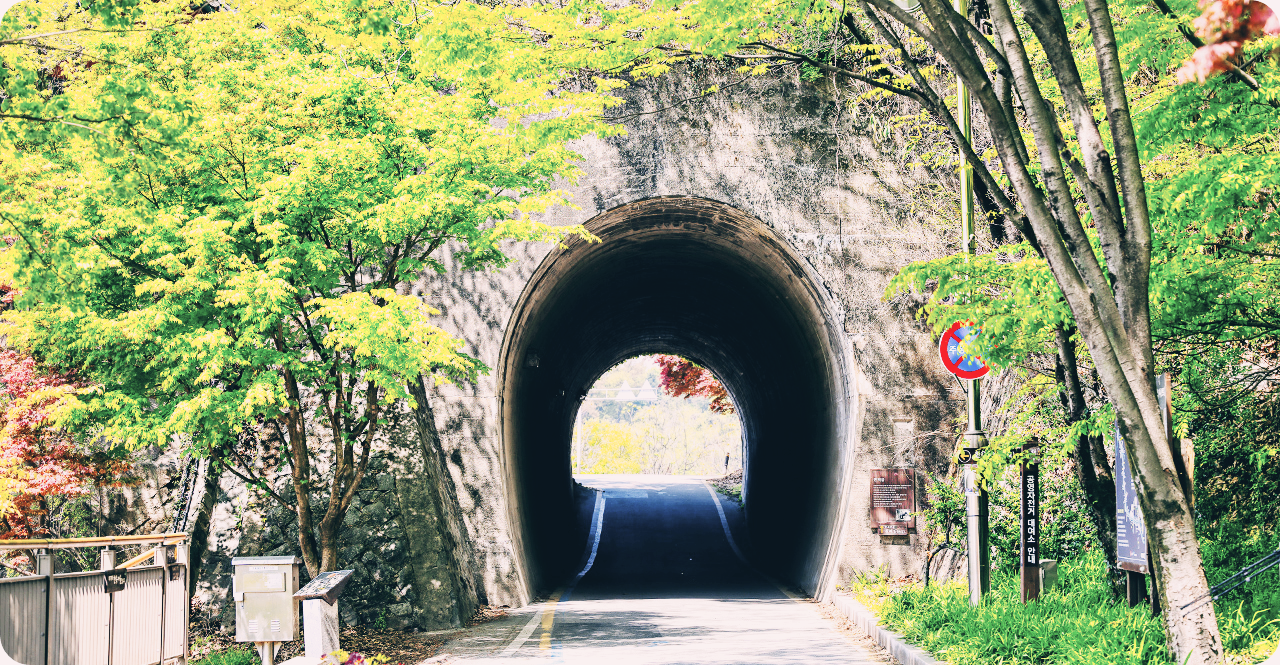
320, 627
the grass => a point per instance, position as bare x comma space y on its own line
235, 656
1077, 622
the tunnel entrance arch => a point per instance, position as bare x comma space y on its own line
697, 278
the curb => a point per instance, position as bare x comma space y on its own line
892, 642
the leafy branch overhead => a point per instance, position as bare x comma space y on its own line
684, 378
237, 250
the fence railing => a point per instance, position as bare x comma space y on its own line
132, 615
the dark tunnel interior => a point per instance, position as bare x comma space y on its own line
699, 279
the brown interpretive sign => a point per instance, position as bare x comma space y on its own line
893, 501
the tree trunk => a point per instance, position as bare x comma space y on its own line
1111, 304
198, 527
300, 474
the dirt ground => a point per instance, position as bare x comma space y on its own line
729, 485
401, 647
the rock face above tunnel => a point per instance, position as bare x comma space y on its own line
822, 177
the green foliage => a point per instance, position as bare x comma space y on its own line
667, 436
1076, 622
1237, 449
1237, 507
1065, 531
733, 491
608, 448
232, 254
269, 237
1254, 609
943, 515
1252, 634
234, 656
1210, 161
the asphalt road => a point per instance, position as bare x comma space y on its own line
665, 585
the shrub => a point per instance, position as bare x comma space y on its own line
1077, 622
235, 656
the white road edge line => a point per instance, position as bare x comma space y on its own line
724, 523
596, 522
597, 526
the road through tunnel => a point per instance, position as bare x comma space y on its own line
690, 277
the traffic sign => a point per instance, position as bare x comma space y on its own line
969, 455
954, 359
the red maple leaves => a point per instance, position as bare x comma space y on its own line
1225, 25
682, 378
39, 460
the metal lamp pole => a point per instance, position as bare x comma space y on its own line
976, 502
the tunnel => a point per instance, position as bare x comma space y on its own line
700, 279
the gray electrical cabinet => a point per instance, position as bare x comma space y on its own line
263, 588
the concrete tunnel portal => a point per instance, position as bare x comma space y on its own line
697, 278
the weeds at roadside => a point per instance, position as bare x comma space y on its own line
237, 656
1077, 623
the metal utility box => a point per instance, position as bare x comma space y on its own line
263, 588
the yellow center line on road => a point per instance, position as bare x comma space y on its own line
549, 608
549, 619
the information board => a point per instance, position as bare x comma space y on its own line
113, 580
1030, 514
893, 501
325, 586
1131, 528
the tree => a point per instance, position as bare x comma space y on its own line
41, 463
684, 378
1226, 25
248, 269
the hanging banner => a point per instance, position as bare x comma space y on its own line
1131, 528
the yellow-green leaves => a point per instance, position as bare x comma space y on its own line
282, 172
389, 338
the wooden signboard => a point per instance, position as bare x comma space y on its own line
893, 501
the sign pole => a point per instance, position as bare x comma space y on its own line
976, 502
968, 235
1030, 472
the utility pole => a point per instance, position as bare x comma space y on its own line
976, 502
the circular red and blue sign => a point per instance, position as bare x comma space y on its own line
955, 360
